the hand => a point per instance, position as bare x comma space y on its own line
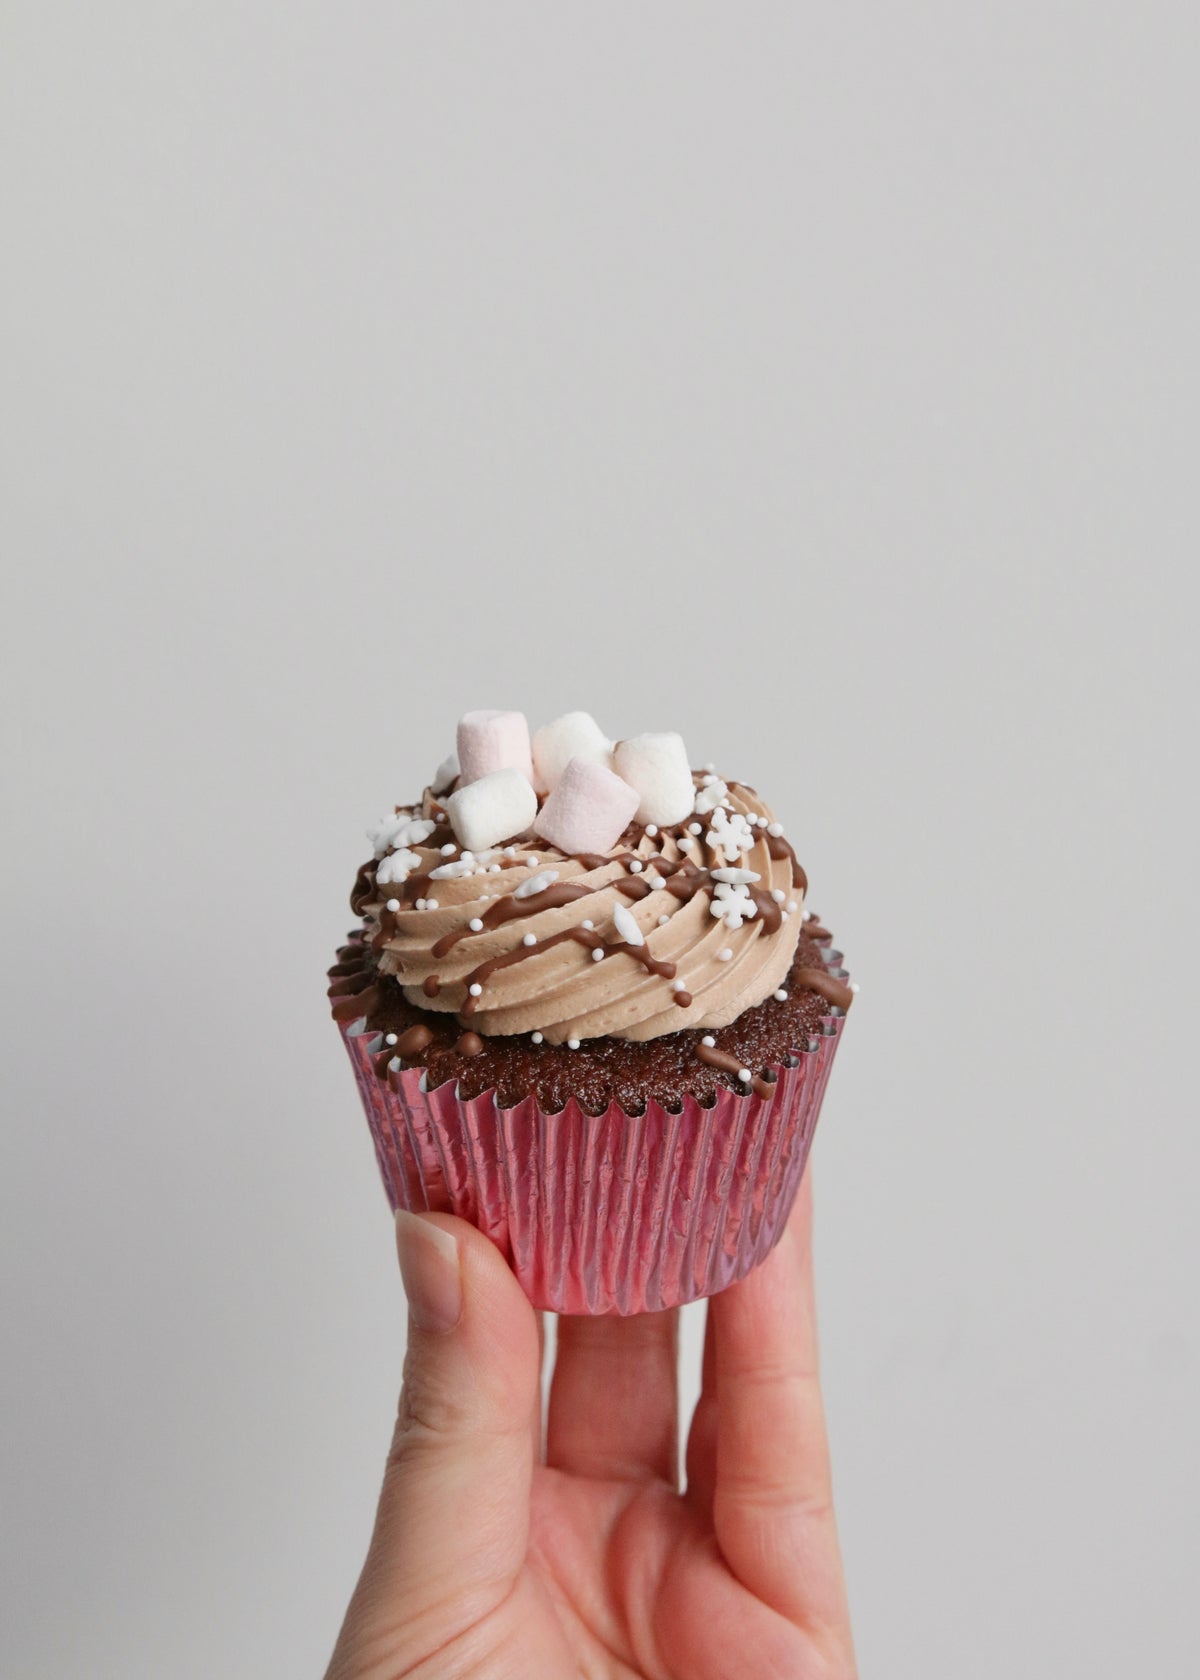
491, 1562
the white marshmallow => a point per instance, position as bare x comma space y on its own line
588, 811
490, 741
492, 809
574, 735
657, 767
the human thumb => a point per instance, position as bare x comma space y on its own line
453, 1521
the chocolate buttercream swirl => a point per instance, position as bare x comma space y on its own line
523, 938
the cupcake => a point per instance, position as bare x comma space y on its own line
589, 1011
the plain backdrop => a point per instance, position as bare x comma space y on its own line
818, 381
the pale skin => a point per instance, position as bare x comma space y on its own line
494, 1559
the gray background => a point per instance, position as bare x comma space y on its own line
818, 381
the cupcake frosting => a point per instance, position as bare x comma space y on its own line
677, 925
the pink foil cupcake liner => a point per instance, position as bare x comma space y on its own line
610, 1213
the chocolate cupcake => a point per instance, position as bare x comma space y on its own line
589, 1011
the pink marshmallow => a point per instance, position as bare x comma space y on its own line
489, 741
588, 811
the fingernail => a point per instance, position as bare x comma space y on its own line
429, 1267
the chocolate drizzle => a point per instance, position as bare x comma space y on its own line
510, 908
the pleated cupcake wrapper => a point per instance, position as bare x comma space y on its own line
610, 1213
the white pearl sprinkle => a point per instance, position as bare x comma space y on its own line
725, 954
390, 1038
476, 990
854, 985
431, 904
774, 830
598, 954
678, 985
709, 1040
686, 840
536, 1037
588, 924
468, 857
652, 829
783, 915
791, 906
420, 904
709, 767
663, 920
778, 894
744, 1075
393, 904
781, 996
449, 849
529, 939
493, 869
475, 924
510, 851
572, 1044
636, 866
808, 915
531, 859
694, 828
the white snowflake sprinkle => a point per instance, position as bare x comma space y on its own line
732, 904
536, 884
626, 926
730, 835
396, 867
710, 796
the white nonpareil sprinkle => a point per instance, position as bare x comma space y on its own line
510, 851
536, 883
784, 914
678, 985
709, 1040
781, 996
652, 829
390, 1038
572, 1044
431, 904
393, 904
778, 894
420, 904
625, 925
589, 925
744, 1075
476, 990
854, 985
739, 877
663, 920
536, 1037
732, 904
653, 880
791, 906
725, 954
598, 954
775, 830
529, 939
449, 849
687, 840
694, 828
467, 856
475, 924
636, 866
711, 768
396, 867
493, 869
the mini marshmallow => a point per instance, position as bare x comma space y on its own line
657, 767
489, 810
490, 741
574, 735
589, 809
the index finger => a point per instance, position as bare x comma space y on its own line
773, 1501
